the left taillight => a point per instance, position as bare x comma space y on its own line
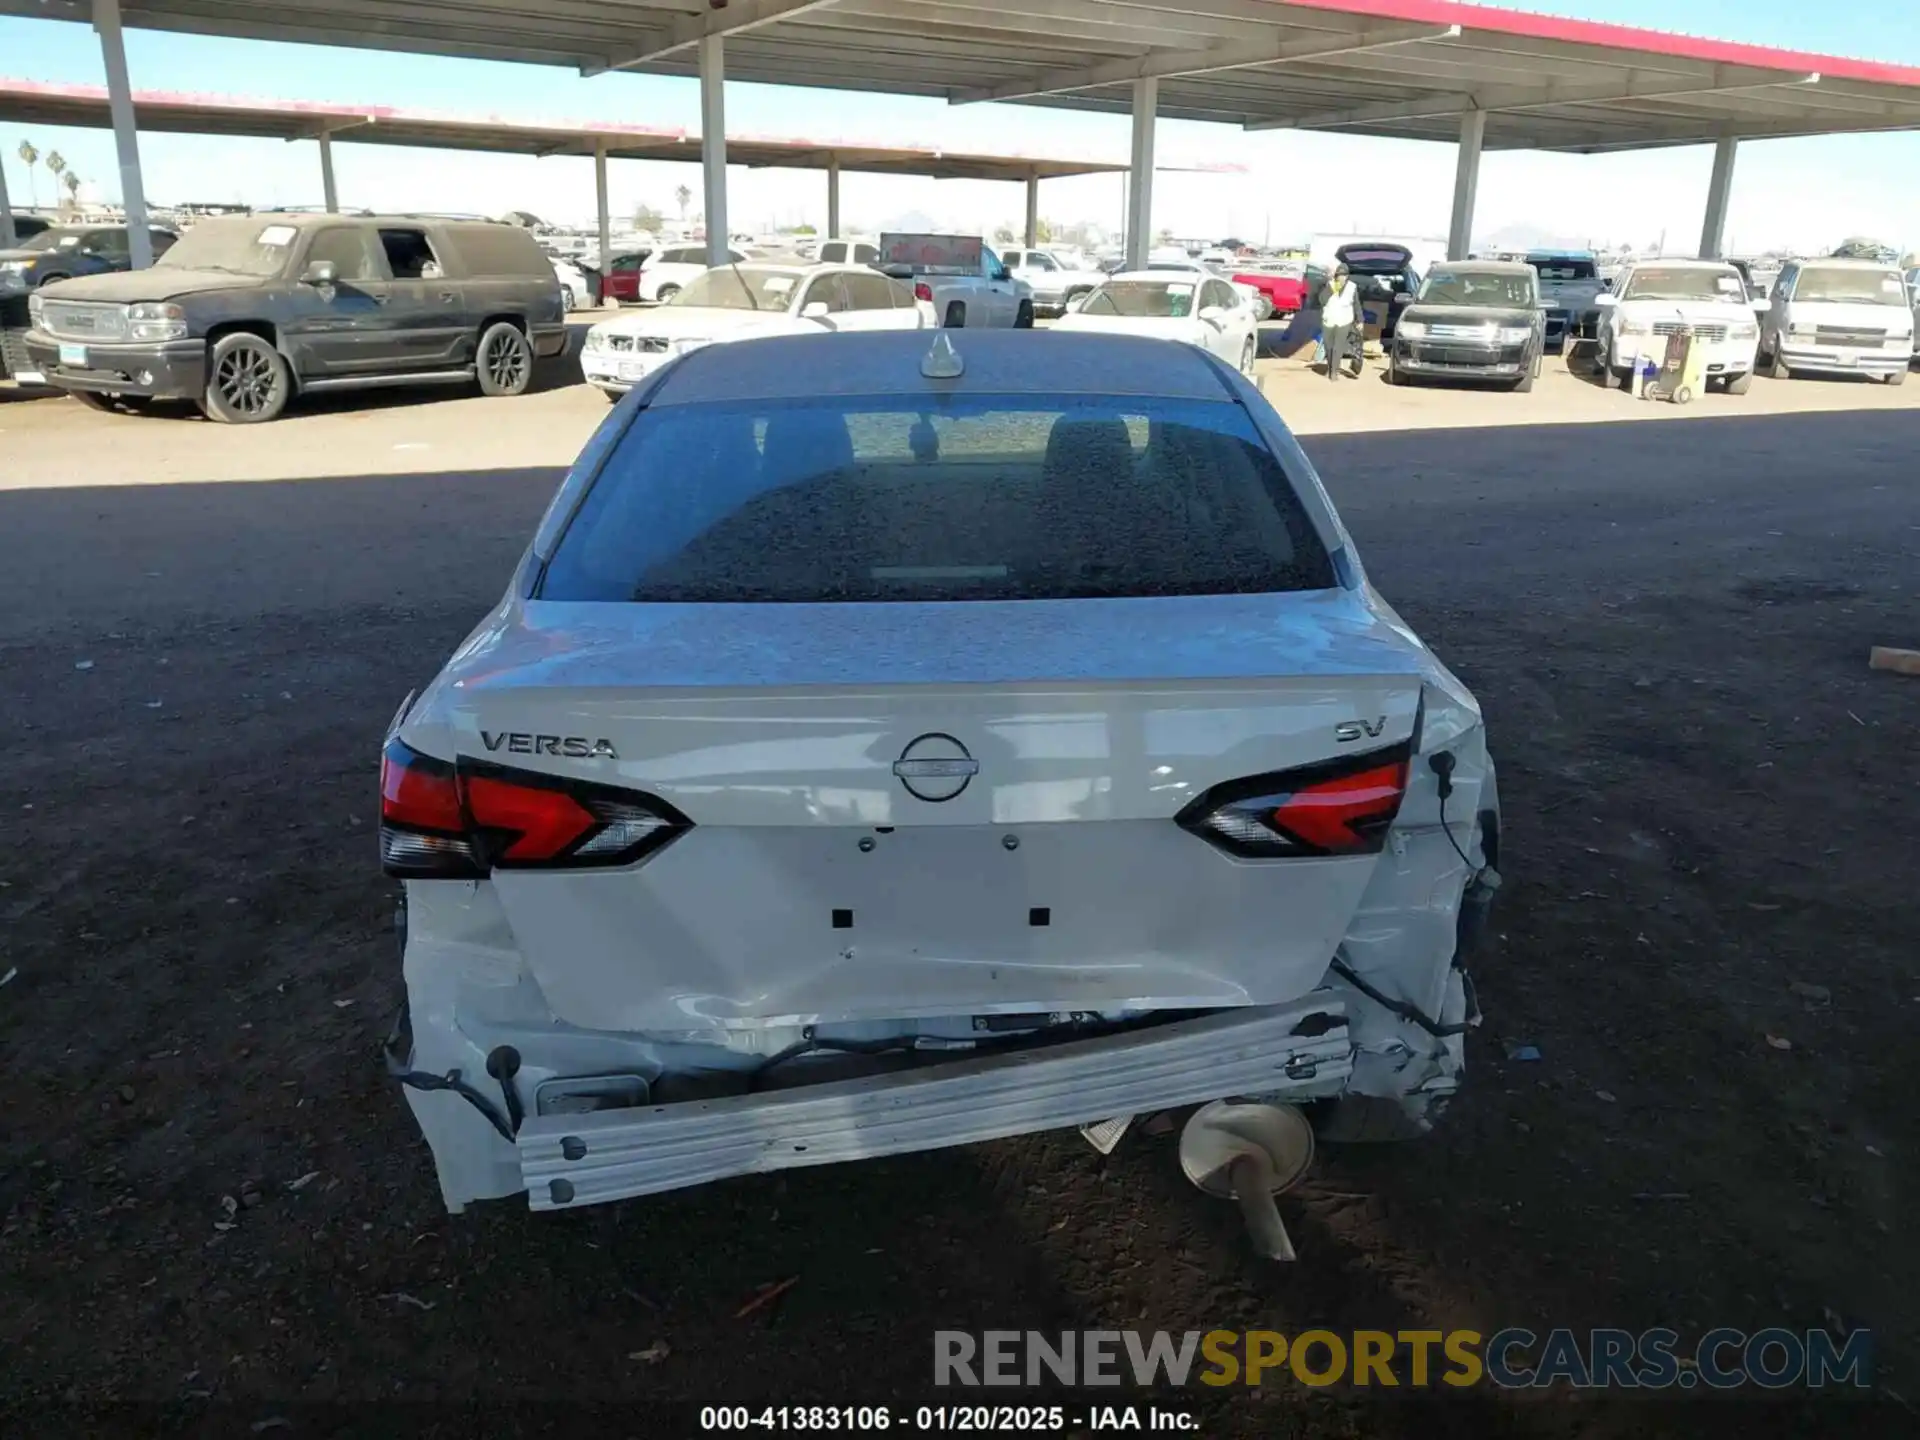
458, 822
1342, 807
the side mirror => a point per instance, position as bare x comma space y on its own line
1605, 299
815, 310
1213, 314
1403, 297
318, 272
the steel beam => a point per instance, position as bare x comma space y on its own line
126, 138
833, 197
1240, 55
1146, 100
1033, 211
7, 237
1713, 232
729, 19
606, 217
328, 192
713, 143
1728, 79
1466, 184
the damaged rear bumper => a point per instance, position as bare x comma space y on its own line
1296, 1052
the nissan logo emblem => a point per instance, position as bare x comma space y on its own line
935, 768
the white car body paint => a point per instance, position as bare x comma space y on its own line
620, 353
1226, 335
1727, 329
1840, 336
776, 729
670, 269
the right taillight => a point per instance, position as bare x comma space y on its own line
923, 291
458, 822
1340, 807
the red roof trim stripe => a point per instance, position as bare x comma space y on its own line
1527, 24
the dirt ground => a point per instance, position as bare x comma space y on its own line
217, 1212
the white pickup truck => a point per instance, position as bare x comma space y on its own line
1054, 282
958, 281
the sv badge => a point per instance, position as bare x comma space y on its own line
1351, 730
574, 747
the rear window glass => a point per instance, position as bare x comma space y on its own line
1142, 300
498, 250
1566, 269
985, 497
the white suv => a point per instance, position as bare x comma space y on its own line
1834, 316
665, 273
1654, 298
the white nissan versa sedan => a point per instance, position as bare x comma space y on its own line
884, 747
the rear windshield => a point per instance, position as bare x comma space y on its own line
1142, 300
1374, 262
1566, 269
739, 287
1851, 285
981, 497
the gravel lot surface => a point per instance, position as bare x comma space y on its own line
213, 1204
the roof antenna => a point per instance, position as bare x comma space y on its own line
943, 362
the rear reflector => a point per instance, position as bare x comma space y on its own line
1340, 807
441, 821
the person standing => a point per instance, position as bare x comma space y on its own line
1340, 321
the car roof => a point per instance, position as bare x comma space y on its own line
1488, 267
1165, 275
1676, 262
887, 363
1853, 262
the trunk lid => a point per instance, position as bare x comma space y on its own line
1054, 880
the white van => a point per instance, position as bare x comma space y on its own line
1839, 316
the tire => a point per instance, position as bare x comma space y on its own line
665, 293
1683, 396
1248, 355
568, 302
503, 360
1394, 377
93, 400
956, 318
1739, 384
1023, 317
1777, 367
1898, 377
1523, 384
247, 381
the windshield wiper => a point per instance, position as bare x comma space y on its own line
752, 299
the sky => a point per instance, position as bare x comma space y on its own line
1796, 194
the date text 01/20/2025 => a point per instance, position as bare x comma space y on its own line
965, 1419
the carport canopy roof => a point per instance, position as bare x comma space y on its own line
1406, 68
32, 102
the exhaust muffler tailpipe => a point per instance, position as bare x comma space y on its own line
1250, 1153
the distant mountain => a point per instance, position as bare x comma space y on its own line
1531, 237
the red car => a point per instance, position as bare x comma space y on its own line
1285, 283
622, 280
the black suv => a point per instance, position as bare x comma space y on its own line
244, 312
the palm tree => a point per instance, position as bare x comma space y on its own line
31, 157
72, 182
683, 195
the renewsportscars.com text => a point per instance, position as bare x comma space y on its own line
1514, 1358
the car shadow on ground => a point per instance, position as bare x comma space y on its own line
1666, 631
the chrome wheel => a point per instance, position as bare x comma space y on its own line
505, 363
247, 380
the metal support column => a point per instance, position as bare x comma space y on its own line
1033, 211
606, 219
833, 197
1146, 99
7, 238
1466, 184
328, 192
713, 143
1713, 233
133, 198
